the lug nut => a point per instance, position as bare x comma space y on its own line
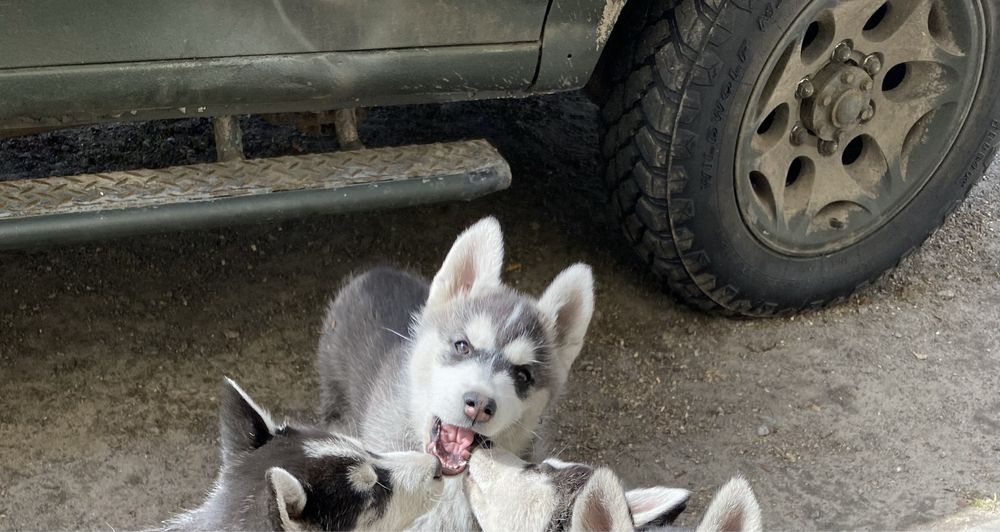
828, 147
798, 135
868, 113
842, 53
872, 64
866, 85
805, 89
847, 77
827, 101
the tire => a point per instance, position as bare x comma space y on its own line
673, 115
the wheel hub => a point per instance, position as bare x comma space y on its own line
851, 115
840, 103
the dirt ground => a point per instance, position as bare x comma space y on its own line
882, 413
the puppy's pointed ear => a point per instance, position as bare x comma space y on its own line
286, 498
734, 509
569, 304
473, 264
243, 425
657, 506
601, 504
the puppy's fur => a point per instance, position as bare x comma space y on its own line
284, 477
556, 495
404, 355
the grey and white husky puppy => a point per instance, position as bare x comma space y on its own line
556, 495
437, 367
295, 477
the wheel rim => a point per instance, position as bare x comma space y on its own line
851, 115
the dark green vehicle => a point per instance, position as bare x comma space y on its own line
762, 156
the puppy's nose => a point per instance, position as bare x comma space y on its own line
478, 407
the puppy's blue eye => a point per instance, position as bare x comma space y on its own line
462, 347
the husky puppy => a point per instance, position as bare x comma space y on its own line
556, 495
439, 367
284, 477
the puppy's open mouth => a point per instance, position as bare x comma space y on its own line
452, 446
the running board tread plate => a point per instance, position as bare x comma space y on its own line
125, 202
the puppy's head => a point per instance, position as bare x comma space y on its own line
507, 493
305, 478
487, 360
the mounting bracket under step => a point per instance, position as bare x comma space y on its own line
73, 208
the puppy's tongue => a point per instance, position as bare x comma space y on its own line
453, 447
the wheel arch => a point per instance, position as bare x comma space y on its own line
607, 71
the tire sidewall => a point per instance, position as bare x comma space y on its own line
745, 273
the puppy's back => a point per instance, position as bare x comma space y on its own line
363, 338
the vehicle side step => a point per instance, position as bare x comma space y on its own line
58, 209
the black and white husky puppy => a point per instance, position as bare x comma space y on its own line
289, 477
556, 495
436, 367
